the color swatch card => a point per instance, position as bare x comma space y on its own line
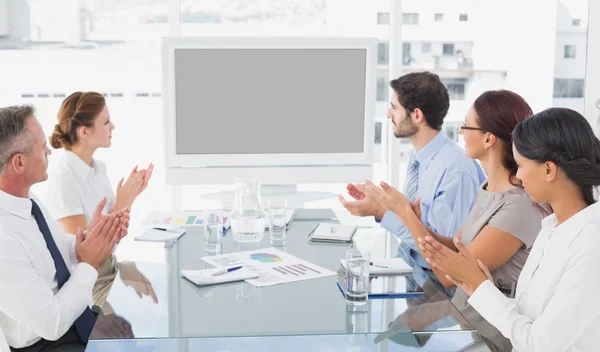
273, 266
195, 218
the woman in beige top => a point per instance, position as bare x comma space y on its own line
504, 222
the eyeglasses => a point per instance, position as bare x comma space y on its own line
465, 127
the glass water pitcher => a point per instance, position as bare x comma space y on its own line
247, 215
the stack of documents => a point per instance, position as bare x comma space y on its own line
161, 234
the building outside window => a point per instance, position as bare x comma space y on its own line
410, 19
448, 50
383, 18
570, 51
383, 53
568, 88
456, 87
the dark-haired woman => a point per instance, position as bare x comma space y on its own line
79, 181
503, 222
556, 306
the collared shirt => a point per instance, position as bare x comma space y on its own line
31, 305
556, 307
447, 185
76, 188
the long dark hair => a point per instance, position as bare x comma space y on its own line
565, 138
499, 112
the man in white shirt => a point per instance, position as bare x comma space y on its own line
46, 276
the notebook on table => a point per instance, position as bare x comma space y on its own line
161, 234
387, 267
205, 278
333, 233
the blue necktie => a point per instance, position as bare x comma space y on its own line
85, 323
410, 191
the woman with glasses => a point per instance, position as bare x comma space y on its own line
503, 222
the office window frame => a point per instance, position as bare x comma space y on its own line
438, 17
463, 17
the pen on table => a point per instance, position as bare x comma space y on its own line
340, 288
397, 295
224, 271
379, 265
165, 229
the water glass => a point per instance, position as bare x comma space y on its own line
357, 276
213, 229
277, 220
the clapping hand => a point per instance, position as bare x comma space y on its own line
136, 183
389, 197
362, 205
95, 248
461, 268
122, 215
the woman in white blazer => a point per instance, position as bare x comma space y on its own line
556, 307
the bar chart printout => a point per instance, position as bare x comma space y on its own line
274, 266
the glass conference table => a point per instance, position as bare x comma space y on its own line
309, 315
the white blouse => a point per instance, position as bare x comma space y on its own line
75, 188
557, 304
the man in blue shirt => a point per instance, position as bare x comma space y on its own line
439, 173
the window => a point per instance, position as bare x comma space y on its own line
406, 55
451, 128
426, 48
456, 87
383, 18
383, 56
448, 50
378, 126
570, 51
463, 17
568, 88
439, 17
576, 22
382, 87
410, 18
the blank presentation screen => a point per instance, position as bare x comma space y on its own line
270, 101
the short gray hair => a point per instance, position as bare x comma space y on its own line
14, 136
